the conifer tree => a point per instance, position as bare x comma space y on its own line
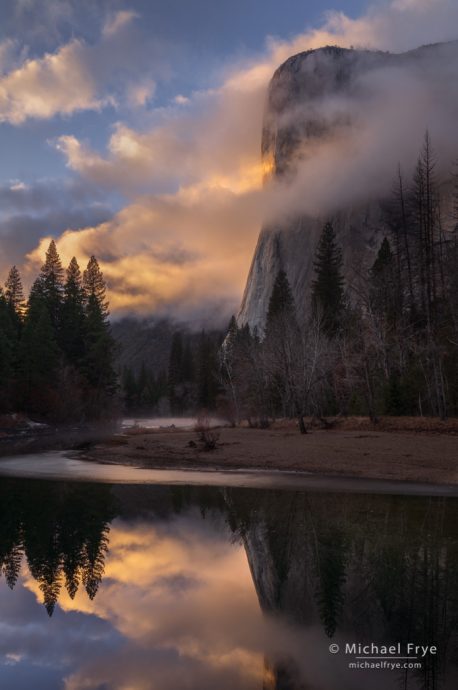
281, 301
14, 294
94, 286
52, 282
281, 337
38, 352
99, 346
327, 288
331, 553
73, 316
8, 347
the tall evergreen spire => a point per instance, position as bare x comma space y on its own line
281, 301
99, 346
14, 293
52, 280
94, 286
73, 316
327, 288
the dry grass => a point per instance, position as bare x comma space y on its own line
431, 425
207, 437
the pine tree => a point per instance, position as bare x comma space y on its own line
99, 346
73, 316
52, 281
327, 288
331, 556
14, 295
281, 336
8, 349
281, 301
94, 286
38, 352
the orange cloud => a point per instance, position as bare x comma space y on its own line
178, 252
195, 178
179, 587
55, 83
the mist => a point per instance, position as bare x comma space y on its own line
366, 130
193, 178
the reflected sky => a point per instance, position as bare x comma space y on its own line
169, 607
218, 588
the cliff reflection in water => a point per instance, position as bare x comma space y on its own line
380, 569
170, 572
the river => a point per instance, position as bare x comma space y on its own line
222, 582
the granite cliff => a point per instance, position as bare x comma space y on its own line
314, 99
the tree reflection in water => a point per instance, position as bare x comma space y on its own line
378, 569
61, 529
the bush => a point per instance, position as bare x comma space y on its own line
207, 437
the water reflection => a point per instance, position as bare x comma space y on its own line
185, 587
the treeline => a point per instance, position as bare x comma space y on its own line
385, 344
60, 530
191, 382
56, 348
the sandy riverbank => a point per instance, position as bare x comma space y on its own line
420, 456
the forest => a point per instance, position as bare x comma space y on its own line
384, 343
57, 353
189, 382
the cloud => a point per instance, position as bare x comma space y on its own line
193, 175
27, 211
167, 254
170, 606
118, 21
141, 93
59, 83
181, 100
80, 75
165, 591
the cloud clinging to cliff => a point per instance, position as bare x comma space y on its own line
193, 175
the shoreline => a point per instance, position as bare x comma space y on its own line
61, 466
381, 455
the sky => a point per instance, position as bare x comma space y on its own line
169, 607
131, 130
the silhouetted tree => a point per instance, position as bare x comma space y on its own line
99, 346
38, 353
52, 285
14, 296
73, 316
327, 287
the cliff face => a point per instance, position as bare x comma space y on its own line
294, 128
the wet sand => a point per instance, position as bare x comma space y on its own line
389, 455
